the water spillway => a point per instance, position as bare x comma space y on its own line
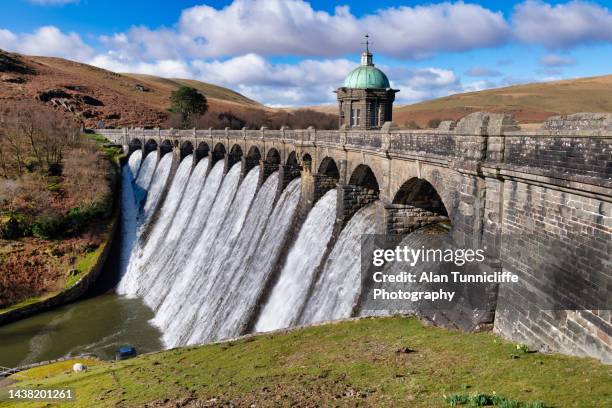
289, 294
227, 254
260, 248
337, 290
143, 179
186, 293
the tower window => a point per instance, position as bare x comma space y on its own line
375, 114
355, 117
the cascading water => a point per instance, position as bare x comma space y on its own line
156, 188
187, 291
210, 271
218, 249
337, 290
244, 247
255, 255
142, 274
134, 163
129, 212
143, 255
143, 179
289, 293
168, 267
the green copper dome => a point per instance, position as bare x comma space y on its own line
366, 76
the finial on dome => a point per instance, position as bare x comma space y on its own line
366, 56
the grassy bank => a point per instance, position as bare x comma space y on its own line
371, 362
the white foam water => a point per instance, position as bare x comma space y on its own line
186, 293
258, 248
336, 292
289, 294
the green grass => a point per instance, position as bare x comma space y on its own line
26, 302
84, 265
54, 369
354, 363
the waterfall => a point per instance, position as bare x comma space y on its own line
337, 290
156, 188
168, 267
256, 251
134, 163
188, 290
289, 293
129, 212
143, 179
218, 259
139, 270
232, 265
143, 272
168, 209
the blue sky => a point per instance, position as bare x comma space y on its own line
294, 52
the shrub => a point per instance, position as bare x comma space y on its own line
48, 226
434, 123
14, 226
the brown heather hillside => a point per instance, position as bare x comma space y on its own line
529, 103
93, 94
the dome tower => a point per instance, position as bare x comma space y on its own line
365, 99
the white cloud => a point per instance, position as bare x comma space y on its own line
293, 27
562, 25
48, 41
555, 60
423, 83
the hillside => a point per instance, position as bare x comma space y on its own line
93, 94
530, 103
383, 362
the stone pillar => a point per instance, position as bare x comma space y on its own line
351, 198
402, 219
266, 169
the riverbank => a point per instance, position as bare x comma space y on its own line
66, 266
382, 362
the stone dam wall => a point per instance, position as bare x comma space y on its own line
539, 202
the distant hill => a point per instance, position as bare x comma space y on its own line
530, 103
93, 94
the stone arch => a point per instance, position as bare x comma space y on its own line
186, 149
291, 169
364, 177
165, 147
420, 193
149, 146
329, 168
218, 153
235, 155
361, 190
135, 144
327, 177
252, 158
292, 159
273, 157
202, 151
307, 162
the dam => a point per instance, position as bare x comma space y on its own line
228, 232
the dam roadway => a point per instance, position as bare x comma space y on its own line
539, 203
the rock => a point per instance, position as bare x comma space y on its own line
142, 88
88, 100
50, 94
12, 79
